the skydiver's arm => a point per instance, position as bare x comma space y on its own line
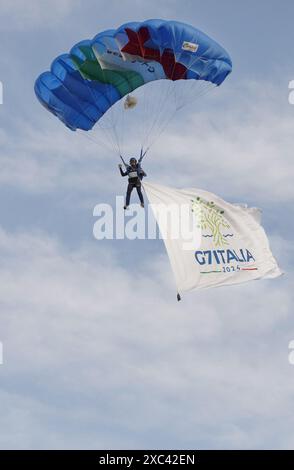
123, 173
142, 174
142, 155
123, 161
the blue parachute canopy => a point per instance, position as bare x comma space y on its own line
82, 85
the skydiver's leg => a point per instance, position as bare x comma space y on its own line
139, 191
129, 191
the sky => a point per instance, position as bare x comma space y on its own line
97, 353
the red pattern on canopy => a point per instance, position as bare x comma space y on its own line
135, 46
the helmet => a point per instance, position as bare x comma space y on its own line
133, 160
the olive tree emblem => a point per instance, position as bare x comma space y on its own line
210, 219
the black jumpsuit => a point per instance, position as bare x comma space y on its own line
135, 175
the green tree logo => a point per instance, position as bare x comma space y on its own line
210, 218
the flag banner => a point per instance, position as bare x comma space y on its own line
210, 242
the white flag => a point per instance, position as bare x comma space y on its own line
209, 241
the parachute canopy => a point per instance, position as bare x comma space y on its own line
83, 85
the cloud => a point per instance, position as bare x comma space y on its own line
43, 160
105, 351
23, 15
97, 352
242, 147
238, 147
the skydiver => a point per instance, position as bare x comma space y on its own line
135, 174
